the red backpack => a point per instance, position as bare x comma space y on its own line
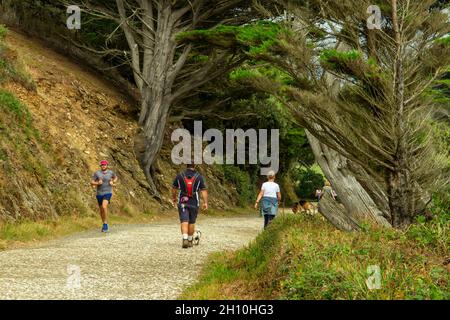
189, 183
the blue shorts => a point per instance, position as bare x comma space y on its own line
188, 213
102, 197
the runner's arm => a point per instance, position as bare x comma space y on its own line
114, 180
205, 198
96, 181
204, 191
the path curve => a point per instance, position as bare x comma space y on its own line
130, 262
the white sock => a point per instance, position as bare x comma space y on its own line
190, 238
185, 236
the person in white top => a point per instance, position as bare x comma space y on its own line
270, 195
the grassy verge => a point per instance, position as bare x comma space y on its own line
30, 232
300, 257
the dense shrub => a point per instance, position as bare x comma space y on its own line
308, 181
241, 179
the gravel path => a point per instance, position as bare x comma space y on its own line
130, 262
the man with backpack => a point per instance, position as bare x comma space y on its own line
187, 185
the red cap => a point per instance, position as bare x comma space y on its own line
103, 162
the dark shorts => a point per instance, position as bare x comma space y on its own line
188, 213
100, 199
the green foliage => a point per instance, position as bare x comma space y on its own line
335, 56
242, 74
348, 62
3, 32
253, 39
3, 154
308, 181
241, 179
441, 203
434, 232
9, 103
444, 41
95, 33
16, 137
200, 58
295, 148
317, 280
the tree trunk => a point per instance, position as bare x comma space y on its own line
154, 113
401, 195
336, 214
359, 206
157, 91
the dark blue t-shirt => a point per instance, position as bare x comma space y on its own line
199, 184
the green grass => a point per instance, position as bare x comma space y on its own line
9, 102
3, 32
19, 138
300, 257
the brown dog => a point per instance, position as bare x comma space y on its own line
305, 207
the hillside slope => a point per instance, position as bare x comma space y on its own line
74, 120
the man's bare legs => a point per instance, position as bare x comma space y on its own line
187, 228
184, 228
191, 230
104, 211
